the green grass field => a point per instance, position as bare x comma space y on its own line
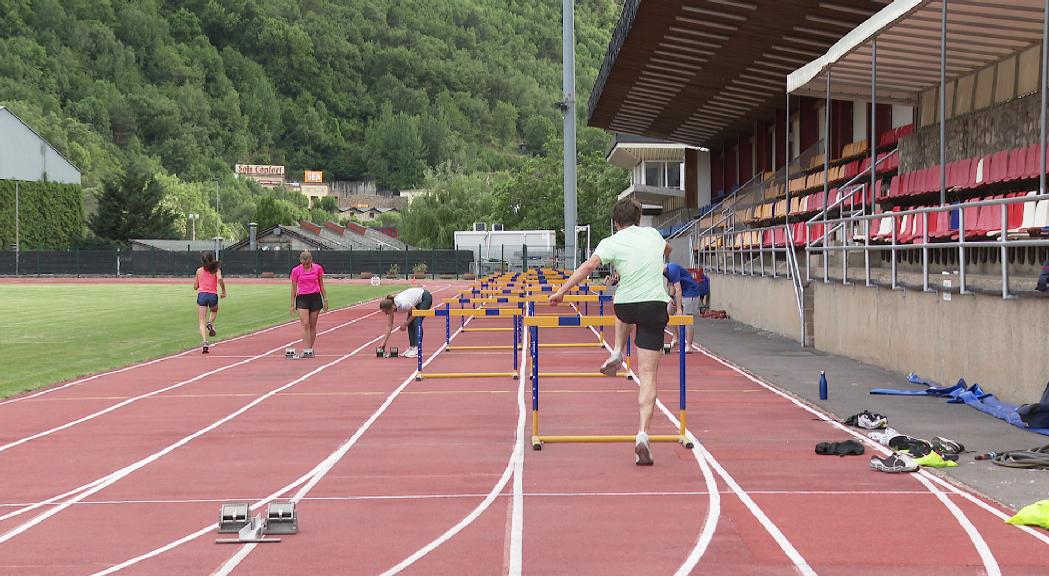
56, 332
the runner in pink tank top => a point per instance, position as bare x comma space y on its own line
308, 298
207, 282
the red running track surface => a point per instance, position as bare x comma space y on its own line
430, 480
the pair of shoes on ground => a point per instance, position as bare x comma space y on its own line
411, 352
894, 463
868, 420
673, 345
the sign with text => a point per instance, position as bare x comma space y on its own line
314, 176
264, 174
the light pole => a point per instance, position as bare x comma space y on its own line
568, 105
579, 229
193, 225
217, 198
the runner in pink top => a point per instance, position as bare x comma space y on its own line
308, 297
206, 283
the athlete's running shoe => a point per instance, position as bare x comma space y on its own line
642, 450
211, 329
412, 352
204, 349
611, 366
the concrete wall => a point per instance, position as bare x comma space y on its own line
1013, 124
767, 303
1001, 344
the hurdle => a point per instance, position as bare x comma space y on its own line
534, 323
448, 313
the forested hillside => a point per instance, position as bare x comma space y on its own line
383, 89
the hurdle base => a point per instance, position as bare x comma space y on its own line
580, 375
538, 441
448, 375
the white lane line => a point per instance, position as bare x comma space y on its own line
515, 455
301, 480
127, 470
664, 493
516, 557
177, 385
704, 460
158, 360
923, 476
92, 484
328, 463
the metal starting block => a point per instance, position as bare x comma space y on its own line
254, 532
282, 518
289, 353
232, 517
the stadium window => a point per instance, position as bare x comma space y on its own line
654, 173
674, 174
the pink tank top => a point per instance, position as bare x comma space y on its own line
206, 281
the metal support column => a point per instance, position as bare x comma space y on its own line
826, 183
871, 190
1041, 112
943, 102
568, 57
18, 229
786, 189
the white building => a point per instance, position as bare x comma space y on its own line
25, 155
659, 179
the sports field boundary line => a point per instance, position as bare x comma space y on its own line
822, 416
338, 454
515, 455
713, 516
198, 377
327, 464
114, 477
60, 386
133, 399
509, 494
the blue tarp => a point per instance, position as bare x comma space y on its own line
960, 393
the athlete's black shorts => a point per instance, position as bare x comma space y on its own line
651, 320
311, 302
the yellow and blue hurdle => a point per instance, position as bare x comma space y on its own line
447, 313
535, 322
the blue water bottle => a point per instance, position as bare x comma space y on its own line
823, 385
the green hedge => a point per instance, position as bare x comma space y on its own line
51, 214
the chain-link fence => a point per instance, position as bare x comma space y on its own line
126, 262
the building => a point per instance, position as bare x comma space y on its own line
658, 179
329, 236
172, 245
876, 170
25, 155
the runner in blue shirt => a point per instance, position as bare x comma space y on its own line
685, 295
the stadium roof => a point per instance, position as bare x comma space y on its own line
696, 71
979, 33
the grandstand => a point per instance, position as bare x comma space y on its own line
891, 190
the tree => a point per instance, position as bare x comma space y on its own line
394, 150
271, 211
537, 131
130, 207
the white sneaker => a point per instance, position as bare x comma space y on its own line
411, 353
642, 450
611, 366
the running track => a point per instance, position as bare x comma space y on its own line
123, 473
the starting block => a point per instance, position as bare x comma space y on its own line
394, 352
232, 517
281, 518
289, 353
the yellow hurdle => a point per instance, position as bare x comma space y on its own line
538, 439
451, 375
469, 312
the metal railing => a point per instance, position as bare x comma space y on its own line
749, 251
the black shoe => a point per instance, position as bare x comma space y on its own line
845, 448
211, 330
204, 348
